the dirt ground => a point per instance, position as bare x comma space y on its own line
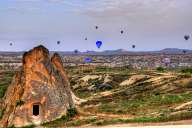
177, 124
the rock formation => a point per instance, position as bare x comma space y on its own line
40, 92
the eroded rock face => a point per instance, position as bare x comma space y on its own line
40, 91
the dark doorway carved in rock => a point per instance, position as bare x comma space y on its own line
36, 110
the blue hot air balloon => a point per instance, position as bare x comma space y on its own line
99, 44
88, 60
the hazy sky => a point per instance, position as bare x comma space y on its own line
149, 24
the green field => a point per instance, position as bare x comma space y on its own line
134, 96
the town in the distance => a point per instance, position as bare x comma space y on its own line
170, 58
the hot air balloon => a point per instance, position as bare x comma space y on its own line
184, 51
167, 61
58, 42
96, 27
186, 37
133, 46
88, 60
76, 51
99, 44
122, 31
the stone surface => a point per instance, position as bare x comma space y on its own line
41, 81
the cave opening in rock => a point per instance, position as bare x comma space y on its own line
35, 110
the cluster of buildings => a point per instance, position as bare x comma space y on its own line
137, 61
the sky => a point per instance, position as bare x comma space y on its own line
148, 24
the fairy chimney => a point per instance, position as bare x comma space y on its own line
40, 91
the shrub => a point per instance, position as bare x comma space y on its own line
187, 70
19, 103
71, 112
2, 91
160, 69
1, 113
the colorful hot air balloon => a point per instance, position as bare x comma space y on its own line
99, 44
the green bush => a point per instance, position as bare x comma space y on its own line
160, 69
2, 91
1, 113
12, 126
71, 112
30, 126
187, 70
19, 103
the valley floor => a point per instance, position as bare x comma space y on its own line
175, 124
125, 126
118, 98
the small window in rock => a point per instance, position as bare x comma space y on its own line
35, 110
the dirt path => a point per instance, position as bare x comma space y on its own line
176, 124
128, 126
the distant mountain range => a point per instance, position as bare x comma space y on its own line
113, 52
122, 52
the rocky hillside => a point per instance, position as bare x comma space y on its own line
125, 96
40, 92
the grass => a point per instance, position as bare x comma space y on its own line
103, 121
160, 69
140, 105
79, 122
122, 70
2, 91
148, 106
180, 116
187, 70
1, 113
83, 94
152, 102
118, 120
30, 126
64, 119
5, 81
